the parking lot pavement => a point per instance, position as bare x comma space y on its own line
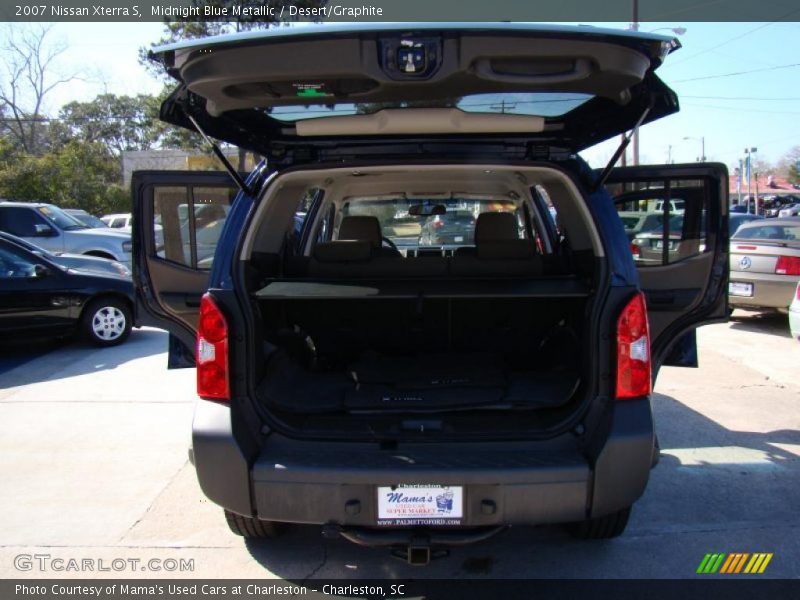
94, 466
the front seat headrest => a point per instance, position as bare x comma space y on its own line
364, 229
496, 227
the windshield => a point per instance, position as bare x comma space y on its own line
769, 232
87, 219
32, 247
454, 227
61, 219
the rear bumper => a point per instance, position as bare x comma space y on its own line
504, 483
769, 291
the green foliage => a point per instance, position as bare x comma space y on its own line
118, 122
788, 165
80, 175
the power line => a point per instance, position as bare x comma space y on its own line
760, 99
737, 73
739, 109
733, 39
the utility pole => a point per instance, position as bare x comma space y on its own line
635, 27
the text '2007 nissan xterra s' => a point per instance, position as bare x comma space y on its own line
420, 319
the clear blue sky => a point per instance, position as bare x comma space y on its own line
106, 55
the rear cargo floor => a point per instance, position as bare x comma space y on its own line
418, 384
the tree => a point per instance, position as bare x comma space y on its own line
79, 174
191, 28
28, 61
119, 122
788, 165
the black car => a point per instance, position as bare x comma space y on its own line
455, 227
80, 262
405, 398
40, 298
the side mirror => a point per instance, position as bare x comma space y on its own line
40, 271
44, 230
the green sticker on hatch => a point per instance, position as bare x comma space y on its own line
310, 90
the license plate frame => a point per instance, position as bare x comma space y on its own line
419, 504
741, 289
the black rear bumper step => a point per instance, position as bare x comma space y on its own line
415, 537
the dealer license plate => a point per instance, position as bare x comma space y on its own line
660, 245
420, 505
739, 288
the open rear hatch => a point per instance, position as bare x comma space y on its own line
297, 94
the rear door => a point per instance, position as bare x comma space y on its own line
178, 217
681, 251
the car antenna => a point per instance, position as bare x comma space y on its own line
622, 147
222, 158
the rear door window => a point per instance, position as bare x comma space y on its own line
188, 222
665, 220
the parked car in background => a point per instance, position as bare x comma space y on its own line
793, 210
40, 298
794, 314
765, 264
54, 230
85, 218
432, 397
636, 221
118, 221
456, 227
774, 205
737, 220
81, 262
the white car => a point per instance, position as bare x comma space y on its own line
794, 314
118, 221
793, 210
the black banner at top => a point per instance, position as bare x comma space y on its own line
581, 11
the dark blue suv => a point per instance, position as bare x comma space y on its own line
357, 374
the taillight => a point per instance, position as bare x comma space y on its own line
212, 352
788, 265
633, 350
635, 251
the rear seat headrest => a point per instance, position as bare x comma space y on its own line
343, 251
364, 229
496, 227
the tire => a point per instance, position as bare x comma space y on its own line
250, 528
601, 528
106, 321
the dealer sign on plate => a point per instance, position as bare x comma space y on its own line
420, 505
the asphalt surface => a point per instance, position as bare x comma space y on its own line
94, 465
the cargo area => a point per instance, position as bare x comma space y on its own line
370, 325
